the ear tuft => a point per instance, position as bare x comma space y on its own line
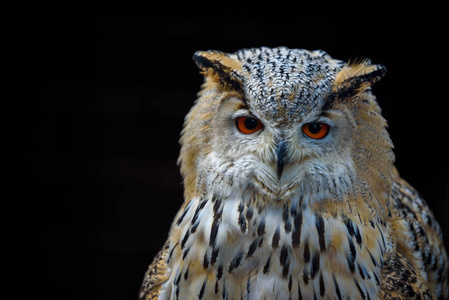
220, 67
355, 78
361, 73
212, 58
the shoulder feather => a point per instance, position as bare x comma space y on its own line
156, 274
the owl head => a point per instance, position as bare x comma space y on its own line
276, 124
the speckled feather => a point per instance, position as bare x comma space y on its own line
339, 223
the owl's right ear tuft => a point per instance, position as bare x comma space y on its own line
220, 67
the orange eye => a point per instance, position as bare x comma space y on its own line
248, 125
316, 130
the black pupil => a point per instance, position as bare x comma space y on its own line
314, 128
250, 123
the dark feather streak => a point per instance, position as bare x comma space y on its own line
184, 214
362, 294
198, 210
235, 262
322, 287
296, 234
315, 266
203, 288
320, 228
337, 288
276, 237
252, 248
306, 252
261, 227
299, 292
266, 268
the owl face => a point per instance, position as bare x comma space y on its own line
257, 153
277, 123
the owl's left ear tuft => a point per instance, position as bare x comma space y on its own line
354, 78
220, 67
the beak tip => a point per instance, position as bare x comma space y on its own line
279, 175
280, 170
280, 153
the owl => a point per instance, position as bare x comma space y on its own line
290, 189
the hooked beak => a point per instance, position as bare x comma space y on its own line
280, 155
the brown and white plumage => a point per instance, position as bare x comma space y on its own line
305, 203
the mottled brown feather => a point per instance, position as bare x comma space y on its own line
399, 280
418, 237
156, 274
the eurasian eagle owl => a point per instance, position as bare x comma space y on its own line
291, 190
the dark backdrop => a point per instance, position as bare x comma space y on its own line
116, 88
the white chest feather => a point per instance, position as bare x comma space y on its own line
230, 249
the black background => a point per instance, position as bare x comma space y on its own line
116, 88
